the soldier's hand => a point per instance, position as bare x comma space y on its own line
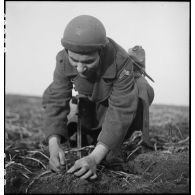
57, 156
84, 168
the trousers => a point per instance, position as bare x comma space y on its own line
91, 122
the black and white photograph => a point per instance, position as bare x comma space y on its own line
97, 97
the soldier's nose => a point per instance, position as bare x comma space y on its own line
81, 68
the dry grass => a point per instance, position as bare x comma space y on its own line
27, 157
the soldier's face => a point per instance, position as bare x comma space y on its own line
86, 64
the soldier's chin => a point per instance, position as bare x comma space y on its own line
89, 75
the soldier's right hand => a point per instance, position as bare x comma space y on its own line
57, 156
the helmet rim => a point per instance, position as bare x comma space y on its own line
84, 34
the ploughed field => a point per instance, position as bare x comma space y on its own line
164, 169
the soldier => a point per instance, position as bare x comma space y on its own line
119, 96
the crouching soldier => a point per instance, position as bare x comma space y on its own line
118, 95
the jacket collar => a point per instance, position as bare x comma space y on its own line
109, 62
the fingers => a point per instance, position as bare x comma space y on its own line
90, 175
73, 169
62, 158
94, 176
84, 168
79, 164
81, 171
54, 164
86, 175
56, 161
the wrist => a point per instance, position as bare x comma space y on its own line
54, 140
99, 152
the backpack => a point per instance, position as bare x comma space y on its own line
137, 55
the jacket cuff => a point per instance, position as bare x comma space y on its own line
111, 143
62, 133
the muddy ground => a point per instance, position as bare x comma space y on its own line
164, 169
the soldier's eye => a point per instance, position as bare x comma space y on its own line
89, 61
73, 59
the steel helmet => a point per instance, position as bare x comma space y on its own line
84, 34
137, 53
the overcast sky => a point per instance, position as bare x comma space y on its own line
34, 31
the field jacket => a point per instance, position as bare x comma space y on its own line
116, 83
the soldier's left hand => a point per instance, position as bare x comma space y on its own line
84, 168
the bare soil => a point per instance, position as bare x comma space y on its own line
164, 169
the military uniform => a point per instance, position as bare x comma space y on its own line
115, 94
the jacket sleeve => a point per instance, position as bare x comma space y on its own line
55, 102
121, 110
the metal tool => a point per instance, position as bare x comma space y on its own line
81, 112
140, 68
79, 141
